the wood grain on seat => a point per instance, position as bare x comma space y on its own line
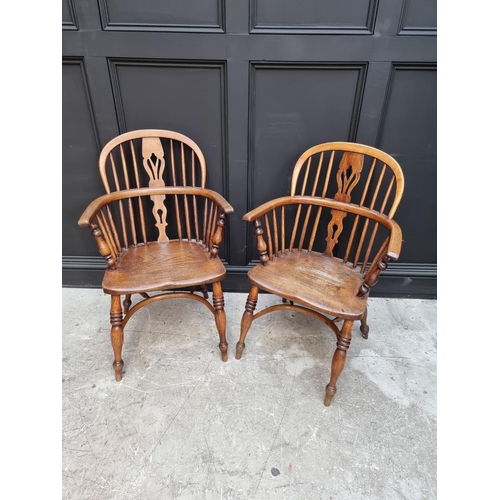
162, 266
304, 278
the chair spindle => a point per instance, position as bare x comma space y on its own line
275, 230
269, 239
139, 200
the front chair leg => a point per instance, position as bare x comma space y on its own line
364, 326
247, 319
220, 317
116, 318
338, 361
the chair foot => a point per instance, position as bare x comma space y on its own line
118, 367
330, 392
246, 319
223, 349
364, 327
364, 331
240, 346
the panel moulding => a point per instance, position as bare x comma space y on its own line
367, 29
109, 25
72, 23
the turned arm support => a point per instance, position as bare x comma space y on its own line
378, 265
103, 246
217, 237
261, 243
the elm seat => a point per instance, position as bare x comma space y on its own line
158, 228
162, 266
308, 275
323, 247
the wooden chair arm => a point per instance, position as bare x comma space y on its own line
90, 212
110, 250
395, 235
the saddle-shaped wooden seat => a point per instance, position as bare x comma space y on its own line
162, 266
313, 273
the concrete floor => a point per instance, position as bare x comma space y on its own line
184, 425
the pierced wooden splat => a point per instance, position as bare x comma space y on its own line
154, 163
348, 176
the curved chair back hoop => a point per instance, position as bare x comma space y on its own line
350, 172
153, 158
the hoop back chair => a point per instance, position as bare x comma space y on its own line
323, 247
158, 228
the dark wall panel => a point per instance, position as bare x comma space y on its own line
68, 15
185, 97
419, 16
80, 178
314, 14
409, 134
158, 13
294, 108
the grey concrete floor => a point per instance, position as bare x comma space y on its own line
184, 425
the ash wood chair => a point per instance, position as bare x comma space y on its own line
158, 228
323, 248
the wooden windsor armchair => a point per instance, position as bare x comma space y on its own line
322, 248
157, 227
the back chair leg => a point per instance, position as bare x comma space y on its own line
116, 317
364, 327
338, 361
127, 303
246, 320
220, 317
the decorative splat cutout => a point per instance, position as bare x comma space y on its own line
154, 164
348, 176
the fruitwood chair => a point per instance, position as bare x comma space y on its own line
323, 247
158, 228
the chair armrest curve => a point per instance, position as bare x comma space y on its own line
395, 239
96, 205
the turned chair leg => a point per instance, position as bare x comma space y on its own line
364, 326
127, 303
116, 318
247, 319
338, 361
220, 317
